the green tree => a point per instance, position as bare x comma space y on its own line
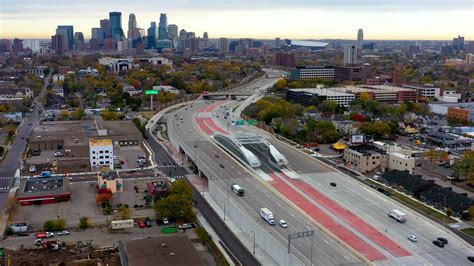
378, 129
84, 222
175, 207
465, 165
311, 109
281, 84
64, 114
328, 106
77, 114
431, 154
59, 225
124, 213
449, 212
10, 129
110, 115
178, 204
49, 225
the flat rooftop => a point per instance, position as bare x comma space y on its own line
166, 250
370, 88
80, 131
118, 128
63, 130
100, 142
367, 149
323, 92
32, 187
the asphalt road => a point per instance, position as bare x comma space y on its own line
162, 157
372, 207
12, 161
258, 195
231, 242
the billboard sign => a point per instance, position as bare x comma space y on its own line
357, 138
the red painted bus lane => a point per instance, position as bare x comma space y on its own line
360, 225
321, 217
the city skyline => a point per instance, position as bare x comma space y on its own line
391, 20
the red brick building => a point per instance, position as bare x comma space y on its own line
285, 59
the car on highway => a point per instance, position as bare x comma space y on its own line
412, 238
64, 233
141, 224
443, 240
438, 243
283, 223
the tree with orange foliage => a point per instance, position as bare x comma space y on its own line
103, 198
105, 195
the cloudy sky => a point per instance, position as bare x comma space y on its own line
316, 19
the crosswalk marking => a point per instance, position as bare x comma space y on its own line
6, 182
166, 166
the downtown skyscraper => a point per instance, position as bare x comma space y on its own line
116, 30
132, 33
68, 33
360, 37
163, 27
152, 35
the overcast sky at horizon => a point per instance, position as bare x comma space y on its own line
266, 19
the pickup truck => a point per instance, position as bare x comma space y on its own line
41, 235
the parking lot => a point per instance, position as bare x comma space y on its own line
128, 155
83, 203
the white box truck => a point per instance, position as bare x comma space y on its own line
267, 215
398, 215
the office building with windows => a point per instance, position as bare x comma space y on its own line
163, 27
311, 72
101, 153
350, 55
116, 30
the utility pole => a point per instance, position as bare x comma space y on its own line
151, 102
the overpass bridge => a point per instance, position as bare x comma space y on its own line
225, 95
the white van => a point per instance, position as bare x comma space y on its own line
237, 189
398, 215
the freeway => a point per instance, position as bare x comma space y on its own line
222, 171
12, 161
366, 206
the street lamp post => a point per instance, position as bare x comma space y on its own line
252, 232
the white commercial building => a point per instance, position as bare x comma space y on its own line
101, 153
427, 90
116, 64
451, 96
398, 161
305, 96
350, 55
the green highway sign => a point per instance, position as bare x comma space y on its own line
152, 92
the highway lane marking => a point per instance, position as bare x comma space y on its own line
351, 191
